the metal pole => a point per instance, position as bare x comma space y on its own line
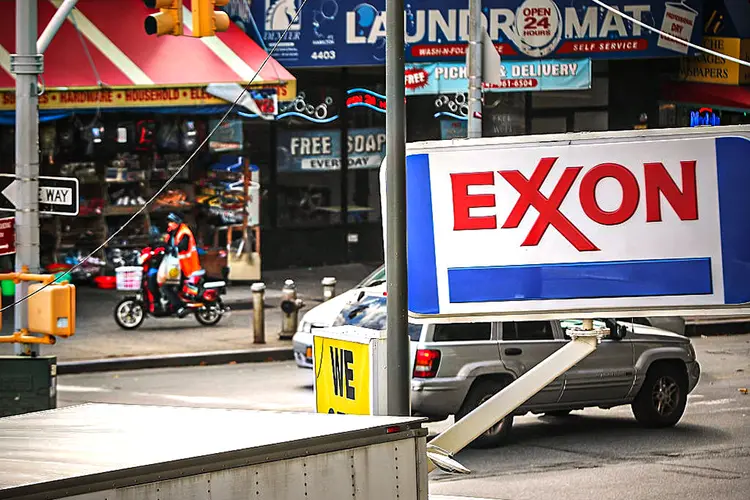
474, 69
54, 25
27, 65
399, 378
259, 313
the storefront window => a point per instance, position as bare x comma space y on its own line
366, 144
688, 115
308, 157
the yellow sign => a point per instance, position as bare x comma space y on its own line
135, 97
707, 68
342, 376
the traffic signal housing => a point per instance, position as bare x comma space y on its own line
166, 22
206, 20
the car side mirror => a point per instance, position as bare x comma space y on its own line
618, 332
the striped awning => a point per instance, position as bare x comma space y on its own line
103, 45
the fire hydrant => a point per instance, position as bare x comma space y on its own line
290, 306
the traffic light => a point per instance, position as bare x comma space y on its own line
168, 21
206, 20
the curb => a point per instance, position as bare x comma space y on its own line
175, 360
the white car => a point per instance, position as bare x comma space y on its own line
323, 316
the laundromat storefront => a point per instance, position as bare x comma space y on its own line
122, 111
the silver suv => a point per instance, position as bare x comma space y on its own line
456, 367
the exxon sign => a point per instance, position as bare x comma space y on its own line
640, 223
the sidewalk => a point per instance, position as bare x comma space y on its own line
97, 336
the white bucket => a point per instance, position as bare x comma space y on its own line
679, 21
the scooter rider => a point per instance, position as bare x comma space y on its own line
180, 238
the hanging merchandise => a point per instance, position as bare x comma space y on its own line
189, 135
67, 138
168, 136
92, 134
144, 133
48, 142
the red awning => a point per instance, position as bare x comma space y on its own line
104, 43
707, 94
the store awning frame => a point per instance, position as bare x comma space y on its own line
104, 49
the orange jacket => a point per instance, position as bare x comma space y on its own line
187, 250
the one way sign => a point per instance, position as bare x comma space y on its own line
57, 195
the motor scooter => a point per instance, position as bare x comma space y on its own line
201, 297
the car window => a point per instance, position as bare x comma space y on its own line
366, 313
370, 313
415, 331
462, 332
528, 330
376, 277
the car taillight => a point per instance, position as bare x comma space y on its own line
426, 364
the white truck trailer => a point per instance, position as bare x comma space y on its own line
110, 451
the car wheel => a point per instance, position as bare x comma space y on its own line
663, 397
480, 392
558, 413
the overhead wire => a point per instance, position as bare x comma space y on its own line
245, 88
671, 37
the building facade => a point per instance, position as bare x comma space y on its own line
568, 66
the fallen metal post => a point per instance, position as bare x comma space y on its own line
492, 411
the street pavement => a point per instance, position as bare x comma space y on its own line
98, 337
600, 454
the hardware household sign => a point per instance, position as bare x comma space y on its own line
658, 220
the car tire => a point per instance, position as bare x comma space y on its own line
481, 391
662, 399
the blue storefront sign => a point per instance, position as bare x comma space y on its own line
516, 76
320, 150
352, 32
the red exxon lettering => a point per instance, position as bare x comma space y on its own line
658, 182
463, 201
548, 208
684, 202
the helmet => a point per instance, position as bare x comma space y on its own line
173, 217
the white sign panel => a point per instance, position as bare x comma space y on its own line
611, 223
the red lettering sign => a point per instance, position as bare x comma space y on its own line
463, 201
658, 183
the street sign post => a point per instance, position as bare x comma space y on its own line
57, 195
634, 223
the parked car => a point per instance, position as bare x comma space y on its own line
323, 315
457, 367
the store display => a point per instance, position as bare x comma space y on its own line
120, 164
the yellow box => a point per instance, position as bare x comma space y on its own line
52, 310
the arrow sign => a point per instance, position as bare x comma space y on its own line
57, 195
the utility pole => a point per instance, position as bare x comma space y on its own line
26, 64
399, 378
474, 69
